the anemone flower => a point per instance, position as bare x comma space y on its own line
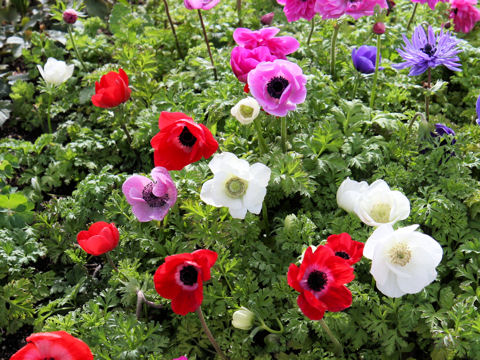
431, 3
345, 247
430, 50
464, 14
478, 110
279, 46
333, 9
364, 59
297, 9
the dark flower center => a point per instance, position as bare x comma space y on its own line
343, 255
317, 280
276, 86
50, 358
428, 49
186, 137
151, 199
188, 275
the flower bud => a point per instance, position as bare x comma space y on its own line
267, 18
243, 319
246, 110
289, 221
70, 16
378, 28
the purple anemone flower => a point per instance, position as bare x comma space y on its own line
364, 59
200, 4
429, 51
441, 130
278, 86
478, 110
150, 200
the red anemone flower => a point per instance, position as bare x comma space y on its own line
343, 246
57, 345
320, 281
100, 238
112, 90
180, 278
181, 141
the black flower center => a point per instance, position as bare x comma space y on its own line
188, 275
428, 49
186, 137
276, 86
317, 280
49, 358
151, 199
343, 255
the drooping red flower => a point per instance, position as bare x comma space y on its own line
58, 345
320, 281
181, 141
112, 90
180, 278
100, 238
346, 248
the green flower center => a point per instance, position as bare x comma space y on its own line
246, 111
400, 254
381, 212
236, 187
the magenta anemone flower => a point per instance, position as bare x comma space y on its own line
478, 110
200, 4
431, 3
279, 47
244, 60
464, 14
296, 9
278, 86
333, 9
150, 200
429, 51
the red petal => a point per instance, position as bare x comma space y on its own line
187, 302
337, 298
312, 312
29, 351
96, 245
123, 75
60, 344
168, 118
97, 227
342, 272
83, 235
165, 283
292, 277
246, 89
205, 259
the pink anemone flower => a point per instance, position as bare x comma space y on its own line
333, 9
244, 60
296, 9
279, 47
150, 200
200, 4
464, 14
278, 86
431, 3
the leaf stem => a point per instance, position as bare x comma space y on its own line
208, 333
269, 329
261, 140
173, 29
75, 48
338, 348
375, 76
412, 16
208, 45
141, 299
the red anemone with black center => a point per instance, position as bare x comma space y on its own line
180, 278
346, 248
112, 90
56, 345
181, 141
320, 281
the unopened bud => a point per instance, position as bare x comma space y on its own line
243, 319
267, 18
379, 28
70, 16
447, 25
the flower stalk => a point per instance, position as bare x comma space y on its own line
49, 104
261, 140
355, 86
269, 329
120, 115
412, 16
141, 299
70, 32
336, 28
173, 29
239, 12
284, 133
208, 333
338, 348
427, 94
312, 27
208, 45
375, 76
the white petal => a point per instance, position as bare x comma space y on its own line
379, 269
253, 198
390, 287
238, 213
41, 71
206, 194
401, 206
381, 235
349, 192
260, 174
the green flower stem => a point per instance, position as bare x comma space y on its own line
141, 299
338, 348
336, 28
355, 86
173, 29
208, 333
375, 76
239, 12
49, 104
208, 45
410, 124
412, 16
284, 133
70, 32
112, 264
119, 113
261, 140
427, 95
224, 274
265, 215
312, 27
270, 330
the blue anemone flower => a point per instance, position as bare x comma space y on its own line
430, 50
364, 59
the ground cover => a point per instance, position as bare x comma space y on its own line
72, 155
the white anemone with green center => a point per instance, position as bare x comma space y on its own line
246, 110
236, 184
375, 204
403, 260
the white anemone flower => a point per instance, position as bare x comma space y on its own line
56, 71
376, 204
403, 260
246, 110
243, 319
236, 184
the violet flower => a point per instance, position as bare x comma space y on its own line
296, 9
364, 59
478, 110
429, 51
441, 130
278, 86
150, 200
200, 4
279, 46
